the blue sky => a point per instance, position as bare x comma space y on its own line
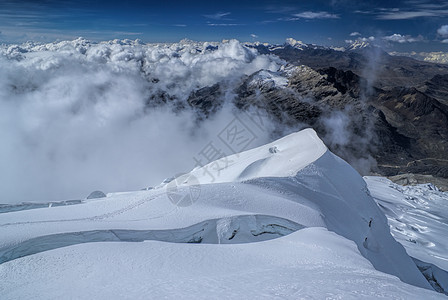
399, 25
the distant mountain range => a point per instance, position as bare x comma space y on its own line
384, 114
398, 106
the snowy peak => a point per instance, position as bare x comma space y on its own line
296, 44
358, 45
268, 79
290, 185
290, 42
281, 158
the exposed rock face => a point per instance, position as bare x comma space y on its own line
437, 88
398, 119
344, 82
422, 124
413, 179
419, 117
208, 99
390, 70
278, 100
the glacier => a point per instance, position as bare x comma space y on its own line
288, 219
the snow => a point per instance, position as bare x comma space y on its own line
96, 194
310, 263
268, 79
81, 116
357, 45
293, 153
296, 44
418, 218
285, 220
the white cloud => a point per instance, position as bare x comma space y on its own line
445, 41
414, 9
361, 39
316, 15
398, 38
75, 115
254, 36
403, 15
224, 24
443, 30
127, 33
217, 16
355, 33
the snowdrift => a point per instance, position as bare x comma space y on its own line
418, 219
300, 220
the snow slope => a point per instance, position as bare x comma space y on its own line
310, 263
300, 220
418, 219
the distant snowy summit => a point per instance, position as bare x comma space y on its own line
296, 44
433, 57
82, 45
358, 45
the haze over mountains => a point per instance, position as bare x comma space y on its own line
254, 149
70, 109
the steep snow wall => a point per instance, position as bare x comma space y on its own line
301, 166
294, 178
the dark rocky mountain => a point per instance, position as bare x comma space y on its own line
423, 120
437, 87
389, 71
391, 111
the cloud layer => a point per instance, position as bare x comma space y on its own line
398, 38
316, 15
443, 30
77, 116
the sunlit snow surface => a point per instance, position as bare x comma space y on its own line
310, 263
285, 220
418, 219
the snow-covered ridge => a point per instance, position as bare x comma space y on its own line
294, 183
268, 79
282, 158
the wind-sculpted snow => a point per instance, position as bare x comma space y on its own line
232, 230
77, 116
311, 263
418, 219
294, 178
5, 208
